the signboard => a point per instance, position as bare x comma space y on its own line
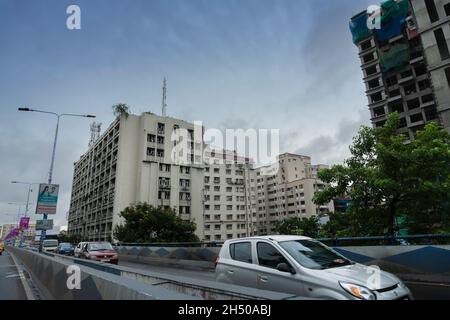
12, 234
47, 199
24, 223
44, 225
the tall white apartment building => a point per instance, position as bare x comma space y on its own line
222, 192
288, 192
230, 200
130, 163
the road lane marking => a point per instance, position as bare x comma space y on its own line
25, 285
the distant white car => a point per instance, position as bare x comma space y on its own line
79, 249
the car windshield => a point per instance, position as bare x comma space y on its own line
100, 246
65, 245
312, 254
50, 243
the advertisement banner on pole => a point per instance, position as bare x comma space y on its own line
44, 225
47, 199
24, 223
12, 234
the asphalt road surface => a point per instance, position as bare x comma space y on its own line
10, 285
420, 291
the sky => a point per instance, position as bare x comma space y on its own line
263, 64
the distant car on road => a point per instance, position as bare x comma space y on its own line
304, 267
78, 249
99, 251
50, 245
65, 248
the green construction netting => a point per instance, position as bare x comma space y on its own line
358, 27
395, 58
393, 9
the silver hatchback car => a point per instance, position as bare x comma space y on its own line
304, 267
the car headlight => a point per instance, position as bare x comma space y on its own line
358, 291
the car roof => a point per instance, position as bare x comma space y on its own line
276, 238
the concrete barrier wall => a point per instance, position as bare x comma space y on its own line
420, 263
50, 276
102, 281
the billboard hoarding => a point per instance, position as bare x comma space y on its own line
47, 198
44, 225
24, 223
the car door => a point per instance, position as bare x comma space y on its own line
77, 250
238, 268
271, 279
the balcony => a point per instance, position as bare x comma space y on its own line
164, 186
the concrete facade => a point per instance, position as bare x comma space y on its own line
131, 163
289, 192
418, 90
438, 63
230, 202
135, 161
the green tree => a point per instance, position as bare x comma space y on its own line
308, 227
121, 109
145, 224
64, 237
388, 177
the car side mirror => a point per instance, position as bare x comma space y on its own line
284, 267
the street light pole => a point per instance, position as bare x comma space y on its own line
52, 162
30, 184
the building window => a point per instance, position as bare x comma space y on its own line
161, 128
374, 83
432, 11
447, 75
416, 117
442, 44
430, 113
391, 81
378, 112
366, 45
447, 9
376, 97
424, 84
427, 98
420, 70
151, 138
413, 104
368, 57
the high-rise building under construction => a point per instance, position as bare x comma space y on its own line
405, 59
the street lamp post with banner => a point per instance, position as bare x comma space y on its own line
47, 202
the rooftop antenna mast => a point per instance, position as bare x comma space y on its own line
164, 97
96, 128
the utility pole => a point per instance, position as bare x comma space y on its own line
30, 184
164, 98
52, 162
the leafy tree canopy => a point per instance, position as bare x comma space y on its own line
145, 224
388, 177
121, 109
308, 227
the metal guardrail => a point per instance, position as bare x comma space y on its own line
421, 239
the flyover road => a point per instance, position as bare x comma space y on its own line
420, 291
11, 287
